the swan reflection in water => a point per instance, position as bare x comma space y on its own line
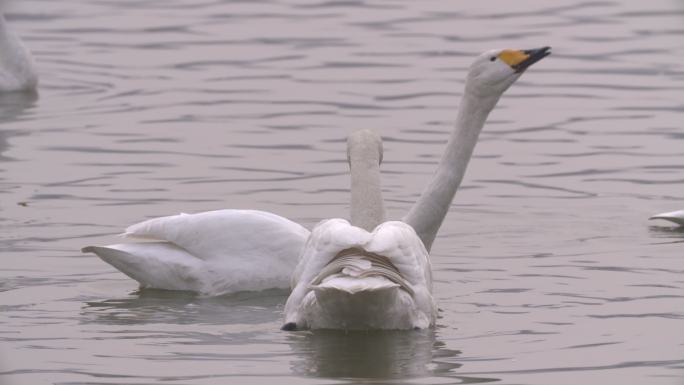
12, 108
151, 306
14, 105
382, 354
378, 355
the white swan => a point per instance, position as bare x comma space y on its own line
351, 278
17, 71
672, 216
348, 278
211, 253
226, 251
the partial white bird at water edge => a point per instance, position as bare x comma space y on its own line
17, 69
676, 217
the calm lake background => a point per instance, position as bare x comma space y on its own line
547, 270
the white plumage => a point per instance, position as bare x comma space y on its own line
394, 290
364, 275
359, 293
345, 276
672, 216
212, 253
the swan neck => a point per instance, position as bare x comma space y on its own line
367, 207
427, 215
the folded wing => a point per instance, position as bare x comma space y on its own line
214, 252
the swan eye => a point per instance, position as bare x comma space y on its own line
493, 58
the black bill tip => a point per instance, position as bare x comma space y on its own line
533, 56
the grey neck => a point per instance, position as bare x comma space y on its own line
364, 152
427, 215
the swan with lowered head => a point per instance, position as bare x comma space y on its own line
17, 71
672, 216
348, 278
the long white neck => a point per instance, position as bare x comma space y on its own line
365, 154
427, 214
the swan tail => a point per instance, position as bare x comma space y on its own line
353, 285
159, 265
368, 303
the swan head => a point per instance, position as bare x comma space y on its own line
496, 70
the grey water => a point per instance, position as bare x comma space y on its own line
547, 270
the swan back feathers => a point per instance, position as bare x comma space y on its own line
213, 234
354, 263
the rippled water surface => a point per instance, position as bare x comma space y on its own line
547, 271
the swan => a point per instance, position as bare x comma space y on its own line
672, 216
377, 275
367, 274
226, 251
210, 253
17, 71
